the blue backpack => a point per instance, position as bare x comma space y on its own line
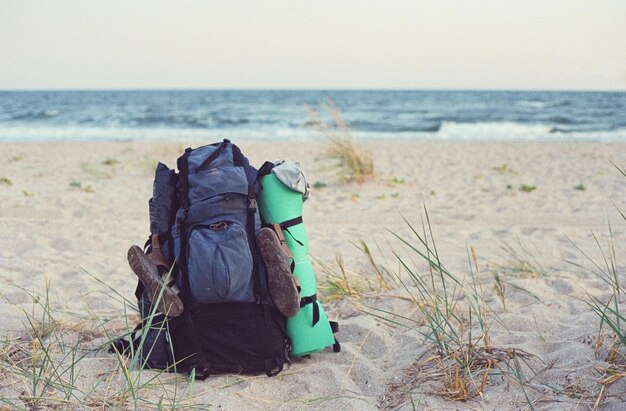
204, 220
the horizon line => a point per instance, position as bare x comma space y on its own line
442, 89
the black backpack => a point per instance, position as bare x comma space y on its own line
204, 218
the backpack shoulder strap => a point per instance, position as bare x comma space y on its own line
215, 154
259, 291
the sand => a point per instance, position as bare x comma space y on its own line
69, 212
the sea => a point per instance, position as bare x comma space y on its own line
289, 115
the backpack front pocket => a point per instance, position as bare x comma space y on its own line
220, 263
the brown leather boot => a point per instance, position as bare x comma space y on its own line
168, 301
280, 280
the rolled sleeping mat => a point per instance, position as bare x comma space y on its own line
309, 329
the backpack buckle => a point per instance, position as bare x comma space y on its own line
221, 226
252, 205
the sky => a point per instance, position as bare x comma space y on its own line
313, 44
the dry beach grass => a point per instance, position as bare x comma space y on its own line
456, 285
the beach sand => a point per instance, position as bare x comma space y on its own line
69, 212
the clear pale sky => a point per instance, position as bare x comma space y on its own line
465, 44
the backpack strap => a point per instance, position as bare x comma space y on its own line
285, 225
266, 169
251, 231
155, 254
182, 186
122, 345
312, 299
334, 327
215, 154
290, 223
183, 190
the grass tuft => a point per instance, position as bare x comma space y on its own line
520, 262
80, 186
356, 162
527, 188
461, 359
500, 288
44, 365
341, 282
503, 169
95, 171
609, 311
111, 161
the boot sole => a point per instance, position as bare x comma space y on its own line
280, 280
147, 272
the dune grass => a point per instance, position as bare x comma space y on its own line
337, 285
520, 261
51, 363
500, 288
79, 185
610, 311
461, 359
342, 282
356, 162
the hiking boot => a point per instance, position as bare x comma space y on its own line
281, 282
147, 271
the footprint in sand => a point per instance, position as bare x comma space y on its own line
561, 286
362, 341
364, 377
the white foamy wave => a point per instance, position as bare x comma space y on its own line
536, 104
519, 131
451, 130
60, 133
496, 132
25, 133
488, 131
447, 131
612, 135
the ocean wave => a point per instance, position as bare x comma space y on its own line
433, 128
190, 121
450, 131
489, 131
539, 104
562, 120
130, 120
35, 115
420, 126
171, 120
77, 133
232, 121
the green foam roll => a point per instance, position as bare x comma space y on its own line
278, 204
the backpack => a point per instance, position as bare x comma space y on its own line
204, 218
